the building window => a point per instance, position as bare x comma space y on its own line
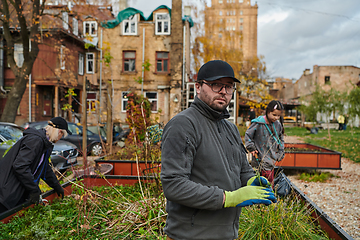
220, 20
90, 60
241, 28
220, 1
65, 19
91, 102
152, 97
241, 20
75, 26
220, 35
81, 64
220, 13
162, 24
90, 28
327, 79
62, 57
241, 12
130, 25
124, 101
19, 54
162, 62
129, 61
241, 1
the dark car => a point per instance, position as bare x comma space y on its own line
119, 134
62, 157
94, 145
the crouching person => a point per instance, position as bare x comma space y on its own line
27, 162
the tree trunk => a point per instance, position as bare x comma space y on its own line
14, 98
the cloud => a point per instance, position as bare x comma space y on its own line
294, 35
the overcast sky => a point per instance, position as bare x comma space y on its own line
296, 34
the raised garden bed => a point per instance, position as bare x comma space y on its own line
309, 156
130, 167
326, 223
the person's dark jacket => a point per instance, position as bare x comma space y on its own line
17, 168
202, 155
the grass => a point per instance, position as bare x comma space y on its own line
118, 212
347, 142
287, 219
131, 212
316, 176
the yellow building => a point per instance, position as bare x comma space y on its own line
147, 58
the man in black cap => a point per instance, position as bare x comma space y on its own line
28, 161
205, 175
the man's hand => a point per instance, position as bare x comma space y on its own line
259, 181
249, 195
34, 198
60, 191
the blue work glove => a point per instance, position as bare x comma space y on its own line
249, 195
259, 181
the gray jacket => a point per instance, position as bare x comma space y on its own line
202, 155
269, 145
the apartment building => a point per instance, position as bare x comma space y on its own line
148, 57
234, 24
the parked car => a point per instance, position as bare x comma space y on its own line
94, 146
119, 134
63, 156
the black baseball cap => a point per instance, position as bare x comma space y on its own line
60, 123
214, 70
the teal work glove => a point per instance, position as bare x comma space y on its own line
249, 195
258, 181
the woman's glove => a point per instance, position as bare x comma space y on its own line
249, 195
259, 181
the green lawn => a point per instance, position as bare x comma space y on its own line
347, 142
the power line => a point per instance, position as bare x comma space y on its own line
313, 11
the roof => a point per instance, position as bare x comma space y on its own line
128, 12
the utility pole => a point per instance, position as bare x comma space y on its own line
84, 122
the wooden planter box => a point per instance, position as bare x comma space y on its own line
131, 168
308, 156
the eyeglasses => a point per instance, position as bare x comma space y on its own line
217, 87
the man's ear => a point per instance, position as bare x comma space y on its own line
197, 87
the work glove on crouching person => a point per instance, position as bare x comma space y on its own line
249, 195
34, 197
59, 190
259, 181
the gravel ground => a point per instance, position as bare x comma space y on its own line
339, 198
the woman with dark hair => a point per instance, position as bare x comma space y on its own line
264, 139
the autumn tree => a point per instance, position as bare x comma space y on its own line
227, 46
20, 23
26, 24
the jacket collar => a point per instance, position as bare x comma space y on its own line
41, 133
207, 111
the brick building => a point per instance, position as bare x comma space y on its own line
341, 78
64, 62
338, 77
156, 41
238, 18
